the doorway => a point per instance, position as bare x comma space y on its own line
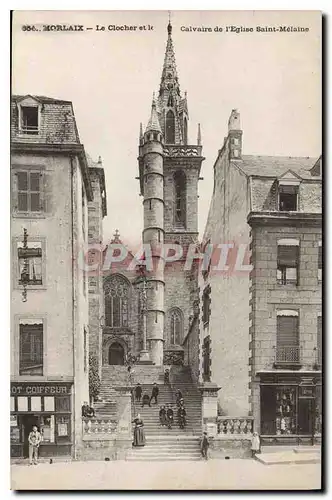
27, 422
306, 416
116, 355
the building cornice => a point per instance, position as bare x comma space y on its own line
284, 218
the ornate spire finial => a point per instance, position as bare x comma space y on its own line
169, 27
199, 135
99, 160
140, 130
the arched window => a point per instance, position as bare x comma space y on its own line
185, 131
116, 291
180, 198
175, 326
170, 127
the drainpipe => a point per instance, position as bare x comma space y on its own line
73, 299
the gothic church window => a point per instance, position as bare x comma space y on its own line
180, 198
185, 131
116, 301
170, 127
176, 326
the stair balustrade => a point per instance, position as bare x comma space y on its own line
93, 427
234, 426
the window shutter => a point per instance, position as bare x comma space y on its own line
287, 331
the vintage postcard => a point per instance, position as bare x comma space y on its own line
166, 250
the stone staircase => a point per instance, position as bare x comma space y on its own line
161, 443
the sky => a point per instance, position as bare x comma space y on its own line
273, 79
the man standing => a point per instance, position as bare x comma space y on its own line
204, 446
34, 442
155, 392
138, 392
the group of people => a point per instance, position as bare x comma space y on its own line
166, 413
87, 411
146, 399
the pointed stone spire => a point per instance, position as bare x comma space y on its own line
199, 135
140, 132
169, 77
153, 123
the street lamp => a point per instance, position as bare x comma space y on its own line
25, 276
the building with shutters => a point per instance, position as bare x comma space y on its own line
261, 322
52, 187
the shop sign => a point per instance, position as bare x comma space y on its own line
306, 392
39, 389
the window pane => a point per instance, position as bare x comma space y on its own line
268, 410
286, 410
22, 202
22, 181
34, 181
22, 403
291, 274
35, 403
48, 403
116, 311
35, 202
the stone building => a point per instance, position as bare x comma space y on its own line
52, 186
261, 295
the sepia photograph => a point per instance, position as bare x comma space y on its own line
166, 250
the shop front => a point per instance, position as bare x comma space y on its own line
46, 405
290, 408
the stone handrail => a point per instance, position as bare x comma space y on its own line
98, 426
230, 426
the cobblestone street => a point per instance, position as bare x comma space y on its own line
215, 474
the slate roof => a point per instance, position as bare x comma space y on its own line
276, 166
41, 98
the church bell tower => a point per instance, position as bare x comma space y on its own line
169, 169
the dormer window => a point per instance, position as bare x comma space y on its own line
29, 120
29, 115
288, 198
288, 189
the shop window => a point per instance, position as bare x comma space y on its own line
47, 428
62, 404
180, 198
116, 301
30, 263
170, 127
31, 349
12, 403
28, 191
320, 262
29, 119
176, 326
63, 428
286, 410
288, 262
288, 350
288, 198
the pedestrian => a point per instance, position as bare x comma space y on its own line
34, 442
139, 435
166, 376
178, 397
138, 392
182, 416
131, 375
205, 445
169, 416
85, 409
154, 394
255, 444
146, 400
162, 416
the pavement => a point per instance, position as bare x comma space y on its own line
233, 474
